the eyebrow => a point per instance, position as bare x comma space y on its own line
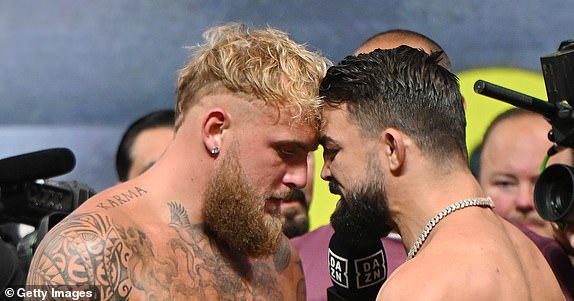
324, 139
299, 144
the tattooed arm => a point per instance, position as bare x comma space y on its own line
83, 249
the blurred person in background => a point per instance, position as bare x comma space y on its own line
295, 209
509, 161
143, 142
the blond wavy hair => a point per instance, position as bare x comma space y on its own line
263, 64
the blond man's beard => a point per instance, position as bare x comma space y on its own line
234, 213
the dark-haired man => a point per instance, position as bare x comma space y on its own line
313, 246
395, 149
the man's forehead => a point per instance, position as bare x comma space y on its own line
288, 129
332, 115
290, 114
334, 119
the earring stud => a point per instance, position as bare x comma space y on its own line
214, 150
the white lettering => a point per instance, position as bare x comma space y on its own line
368, 278
35, 293
336, 275
377, 274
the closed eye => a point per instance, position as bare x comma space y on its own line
330, 148
287, 152
505, 183
293, 152
329, 153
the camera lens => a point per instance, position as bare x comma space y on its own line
554, 193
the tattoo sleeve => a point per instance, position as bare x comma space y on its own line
72, 255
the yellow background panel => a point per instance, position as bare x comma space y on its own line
481, 110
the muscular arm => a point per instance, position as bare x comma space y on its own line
83, 249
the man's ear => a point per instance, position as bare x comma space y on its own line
214, 123
394, 145
463, 102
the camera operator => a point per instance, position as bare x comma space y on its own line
509, 161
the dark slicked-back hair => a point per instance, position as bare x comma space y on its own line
155, 119
402, 88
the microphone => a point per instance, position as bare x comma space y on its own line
357, 273
42, 164
517, 99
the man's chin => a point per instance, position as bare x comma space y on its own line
272, 219
355, 228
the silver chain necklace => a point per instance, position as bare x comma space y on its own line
482, 202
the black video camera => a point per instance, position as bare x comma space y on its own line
27, 196
29, 202
554, 189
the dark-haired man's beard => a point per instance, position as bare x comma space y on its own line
362, 214
233, 211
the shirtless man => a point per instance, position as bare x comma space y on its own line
315, 264
394, 142
203, 222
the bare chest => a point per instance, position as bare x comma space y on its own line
183, 264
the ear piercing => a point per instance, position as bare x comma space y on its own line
214, 150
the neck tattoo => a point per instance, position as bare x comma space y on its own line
480, 202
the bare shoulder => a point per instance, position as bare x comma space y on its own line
489, 266
419, 279
414, 280
84, 248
